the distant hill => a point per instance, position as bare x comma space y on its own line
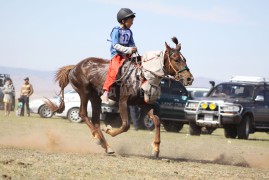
42, 81
204, 82
44, 85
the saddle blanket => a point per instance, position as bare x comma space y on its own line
152, 69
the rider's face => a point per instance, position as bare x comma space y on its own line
129, 22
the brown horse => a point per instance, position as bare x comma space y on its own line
88, 76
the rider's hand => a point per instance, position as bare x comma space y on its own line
134, 50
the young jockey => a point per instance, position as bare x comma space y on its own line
122, 47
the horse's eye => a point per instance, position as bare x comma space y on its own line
177, 60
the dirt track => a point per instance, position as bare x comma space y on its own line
35, 148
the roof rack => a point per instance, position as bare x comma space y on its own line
249, 79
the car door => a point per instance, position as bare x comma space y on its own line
266, 108
165, 101
261, 106
179, 98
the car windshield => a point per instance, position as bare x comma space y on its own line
232, 90
198, 93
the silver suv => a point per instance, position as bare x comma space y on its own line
240, 106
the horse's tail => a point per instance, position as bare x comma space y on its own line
62, 77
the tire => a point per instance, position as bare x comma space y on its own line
146, 123
230, 132
243, 128
172, 126
194, 130
112, 119
73, 115
45, 112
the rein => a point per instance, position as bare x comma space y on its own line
125, 73
179, 71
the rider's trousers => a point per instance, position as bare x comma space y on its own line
115, 64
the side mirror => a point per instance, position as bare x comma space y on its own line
259, 98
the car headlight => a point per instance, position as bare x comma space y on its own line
231, 108
192, 105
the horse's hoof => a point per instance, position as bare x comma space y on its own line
109, 150
97, 141
107, 128
155, 154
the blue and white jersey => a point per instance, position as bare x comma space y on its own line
121, 36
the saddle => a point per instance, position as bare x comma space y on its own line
140, 75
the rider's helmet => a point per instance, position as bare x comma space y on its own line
124, 13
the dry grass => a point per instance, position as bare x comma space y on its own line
36, 148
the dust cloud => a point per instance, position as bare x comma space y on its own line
49, 140
52, 140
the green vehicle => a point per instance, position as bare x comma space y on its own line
169, 108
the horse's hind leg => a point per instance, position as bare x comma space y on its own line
96, 110
93, 124
157, 139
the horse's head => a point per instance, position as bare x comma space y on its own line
176, 65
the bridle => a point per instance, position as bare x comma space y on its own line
179, 71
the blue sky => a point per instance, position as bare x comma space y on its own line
219, 38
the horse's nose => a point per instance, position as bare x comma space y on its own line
190, 80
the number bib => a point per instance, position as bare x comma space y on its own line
124, 36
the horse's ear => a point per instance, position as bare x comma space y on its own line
178, 47
167, 47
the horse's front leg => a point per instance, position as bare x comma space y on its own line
124, 117
157, 139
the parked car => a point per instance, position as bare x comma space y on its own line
38, 106
239, 106
71, 112
169, 107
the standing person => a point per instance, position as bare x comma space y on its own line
8, 91
26, 91
133, 115
122, 47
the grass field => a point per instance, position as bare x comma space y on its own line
37, 148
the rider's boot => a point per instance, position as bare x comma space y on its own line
104, 98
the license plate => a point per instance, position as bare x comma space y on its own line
208, 117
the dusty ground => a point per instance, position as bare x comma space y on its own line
36, 148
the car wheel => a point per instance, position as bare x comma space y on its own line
112, 119
243, 128
147, 123
73, 115
194, 130
45, 112
230, 132
172, 126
